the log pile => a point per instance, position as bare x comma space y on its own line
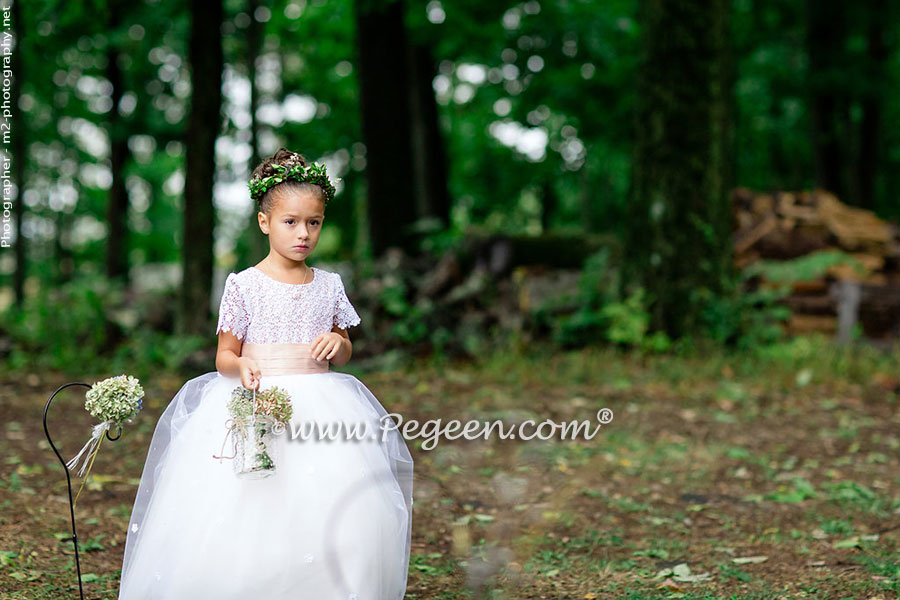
785, 225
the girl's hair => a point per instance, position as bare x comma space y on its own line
284, 157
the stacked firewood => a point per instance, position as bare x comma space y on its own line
787, 225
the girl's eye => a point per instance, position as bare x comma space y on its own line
289, 221
314, 222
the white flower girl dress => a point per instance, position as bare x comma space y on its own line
333, 522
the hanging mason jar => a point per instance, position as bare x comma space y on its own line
256, 447
255, 432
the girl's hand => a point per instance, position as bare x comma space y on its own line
326, 345
250, 372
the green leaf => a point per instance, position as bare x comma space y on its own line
847, 543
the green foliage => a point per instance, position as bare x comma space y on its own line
439, 241
744, 319
628, 323
803, 268
404, 323
145, 349
90, 545
601, 314
743, 316
854, 494
560, 70
409, 320
732, 572
85, 325
432, 563
315, 174
65, 325
800, 490
750, 315
837, 527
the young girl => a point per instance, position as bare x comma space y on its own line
334, 521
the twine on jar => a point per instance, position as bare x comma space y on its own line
235, 426
232, 425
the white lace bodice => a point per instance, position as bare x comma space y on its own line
261, 310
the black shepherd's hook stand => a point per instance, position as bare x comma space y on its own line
69, 479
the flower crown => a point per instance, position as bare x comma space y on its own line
315, 174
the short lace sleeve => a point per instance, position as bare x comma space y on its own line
344, 314
233, 314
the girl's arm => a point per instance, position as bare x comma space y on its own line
234, 321
230, 363
228, 354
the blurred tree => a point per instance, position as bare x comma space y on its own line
678, 224
534, 99
528, 100
878, 15
204, 124
829, 94
772, 125
384, 81
117, 258
429, 155
257, 246
306, 98
431, 158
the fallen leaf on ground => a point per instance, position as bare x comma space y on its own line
743, 560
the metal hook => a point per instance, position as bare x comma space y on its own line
69, 479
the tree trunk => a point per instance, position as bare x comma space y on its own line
203, 127
117, 207
384, 99
872, 105
430, 158
257, 246
677, 229
825, 44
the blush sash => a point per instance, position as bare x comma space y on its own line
284, 359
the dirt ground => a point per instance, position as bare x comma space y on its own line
713, 480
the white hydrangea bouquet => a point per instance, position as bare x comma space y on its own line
115, 400
255, 418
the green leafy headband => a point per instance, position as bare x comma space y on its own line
314, 173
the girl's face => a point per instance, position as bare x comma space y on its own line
294, 225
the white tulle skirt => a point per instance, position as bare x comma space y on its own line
333, 522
